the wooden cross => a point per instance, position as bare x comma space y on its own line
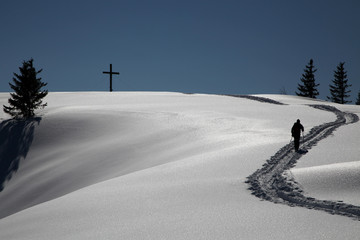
111, 73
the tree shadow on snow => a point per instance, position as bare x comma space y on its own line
16, 137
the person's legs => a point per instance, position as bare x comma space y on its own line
296, 143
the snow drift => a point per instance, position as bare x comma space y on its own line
138, 165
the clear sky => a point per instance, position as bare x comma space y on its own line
193, 46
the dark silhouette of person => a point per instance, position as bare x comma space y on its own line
296, 132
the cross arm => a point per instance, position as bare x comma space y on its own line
116, 73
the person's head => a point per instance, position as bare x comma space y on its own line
298, 121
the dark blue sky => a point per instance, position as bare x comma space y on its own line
202, 46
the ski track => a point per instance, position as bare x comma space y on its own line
271, 182
256, 98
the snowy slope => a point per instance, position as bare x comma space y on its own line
332, 169
142, 165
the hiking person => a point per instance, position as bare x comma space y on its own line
296, 132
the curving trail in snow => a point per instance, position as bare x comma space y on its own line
272, 182
146, 165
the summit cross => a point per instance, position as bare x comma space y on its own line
111, 73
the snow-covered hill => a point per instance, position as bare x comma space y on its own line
147, 165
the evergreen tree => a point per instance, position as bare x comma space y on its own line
339, 90
358, 99
308, 89
27, 95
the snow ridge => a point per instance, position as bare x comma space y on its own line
272, 182
259, 99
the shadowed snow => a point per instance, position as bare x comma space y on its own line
139, 165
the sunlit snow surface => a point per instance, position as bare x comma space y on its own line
147, 165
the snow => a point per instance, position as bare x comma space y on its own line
331, 170
160, 165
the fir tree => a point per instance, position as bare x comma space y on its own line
339, 91
308, 89
27, 95
358, 99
